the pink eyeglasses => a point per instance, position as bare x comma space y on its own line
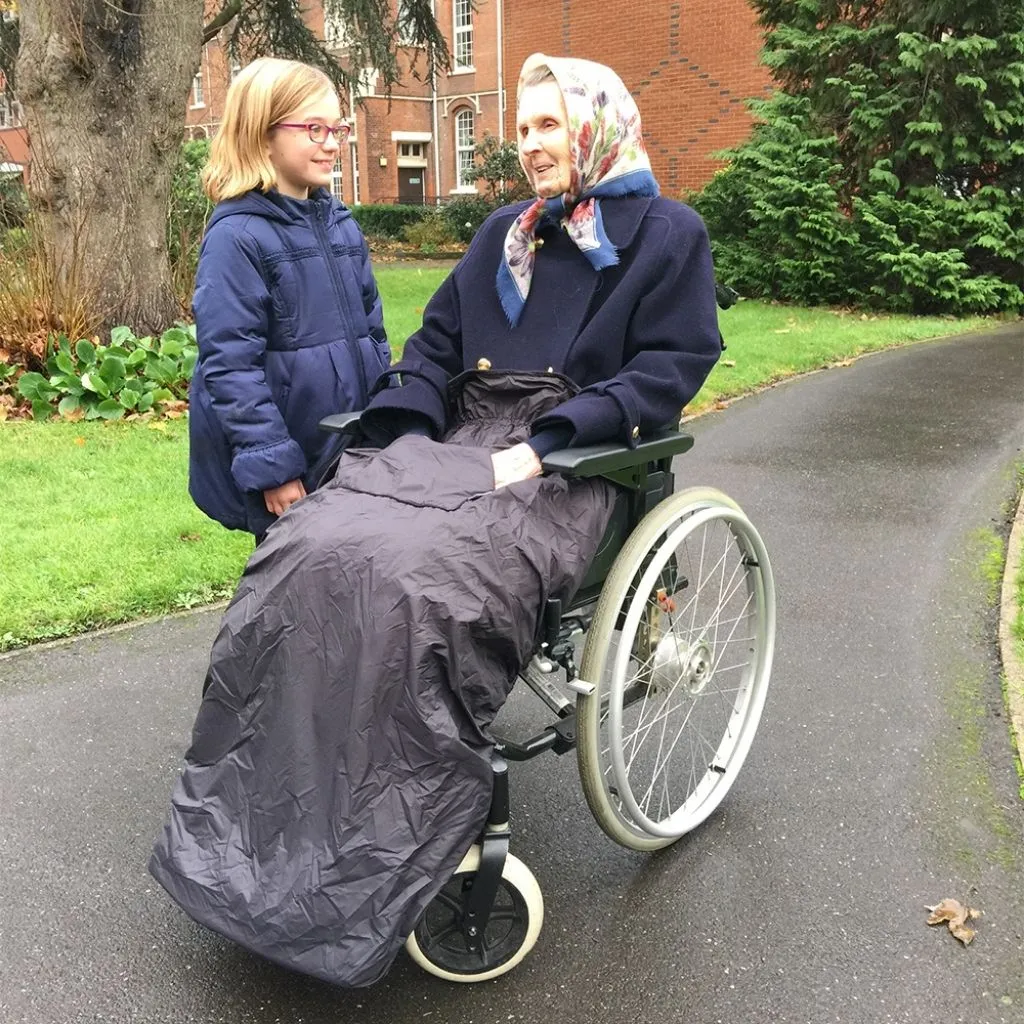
320, 133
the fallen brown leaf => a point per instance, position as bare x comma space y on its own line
844, 362
956, 915
728, 362
190, 536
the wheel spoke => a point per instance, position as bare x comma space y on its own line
688, 671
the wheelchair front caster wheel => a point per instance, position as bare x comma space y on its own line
438, 945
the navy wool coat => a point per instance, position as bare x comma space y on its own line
638, 338
290, 329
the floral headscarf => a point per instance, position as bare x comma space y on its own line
608, 158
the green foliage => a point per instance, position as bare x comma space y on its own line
374, 36
381, 220
430, 232
13, 203
889, 172
465, 214
188, 210
8, 377
130, 375
499, 168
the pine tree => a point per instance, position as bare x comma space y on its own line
915, 110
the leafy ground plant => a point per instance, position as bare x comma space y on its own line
130, 375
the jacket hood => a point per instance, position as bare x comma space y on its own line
274, 206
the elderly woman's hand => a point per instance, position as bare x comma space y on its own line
515, 464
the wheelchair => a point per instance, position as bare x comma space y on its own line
676, 622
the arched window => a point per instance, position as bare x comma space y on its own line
464, 142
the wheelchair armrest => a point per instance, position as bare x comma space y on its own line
341, 423
601, 459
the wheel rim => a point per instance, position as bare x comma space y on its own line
694, 646
439, 931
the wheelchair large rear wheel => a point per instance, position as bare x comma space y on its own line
679, 652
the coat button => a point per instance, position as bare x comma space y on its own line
636, 433
551, 369
483, 364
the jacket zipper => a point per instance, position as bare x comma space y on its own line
339, 294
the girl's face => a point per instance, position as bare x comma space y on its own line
302, 164
542, 127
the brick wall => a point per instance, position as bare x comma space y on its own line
690, 66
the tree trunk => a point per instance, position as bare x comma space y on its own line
104, 86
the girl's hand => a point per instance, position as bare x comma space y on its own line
280, 499
515, 464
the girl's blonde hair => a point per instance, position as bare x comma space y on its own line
264, 91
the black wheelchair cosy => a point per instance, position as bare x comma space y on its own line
340, 762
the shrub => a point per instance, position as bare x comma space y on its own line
47, 287
13, 202
783, 226
497, 165
888, 170
429, 233
188, 211
107, 381
464, 215
388, 221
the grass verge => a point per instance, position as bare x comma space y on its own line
97, 526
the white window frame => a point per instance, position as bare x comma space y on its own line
404, 39
7, 116
197, 90
367, 84
462, 35
336, 31
338, 181
464, 149
354, 158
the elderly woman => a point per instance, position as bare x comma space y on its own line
339, 766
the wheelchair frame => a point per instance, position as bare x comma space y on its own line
644, 478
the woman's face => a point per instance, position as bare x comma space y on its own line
543, 136
302, 164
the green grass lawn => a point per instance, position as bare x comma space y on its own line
97, 526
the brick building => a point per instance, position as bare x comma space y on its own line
690, 69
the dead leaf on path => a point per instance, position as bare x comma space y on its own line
956, 915
729, 362
721, 405
844, 362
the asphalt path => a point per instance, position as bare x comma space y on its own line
881, 781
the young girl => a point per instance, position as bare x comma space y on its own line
288, 318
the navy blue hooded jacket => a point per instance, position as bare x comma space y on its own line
638, 338
290, 329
